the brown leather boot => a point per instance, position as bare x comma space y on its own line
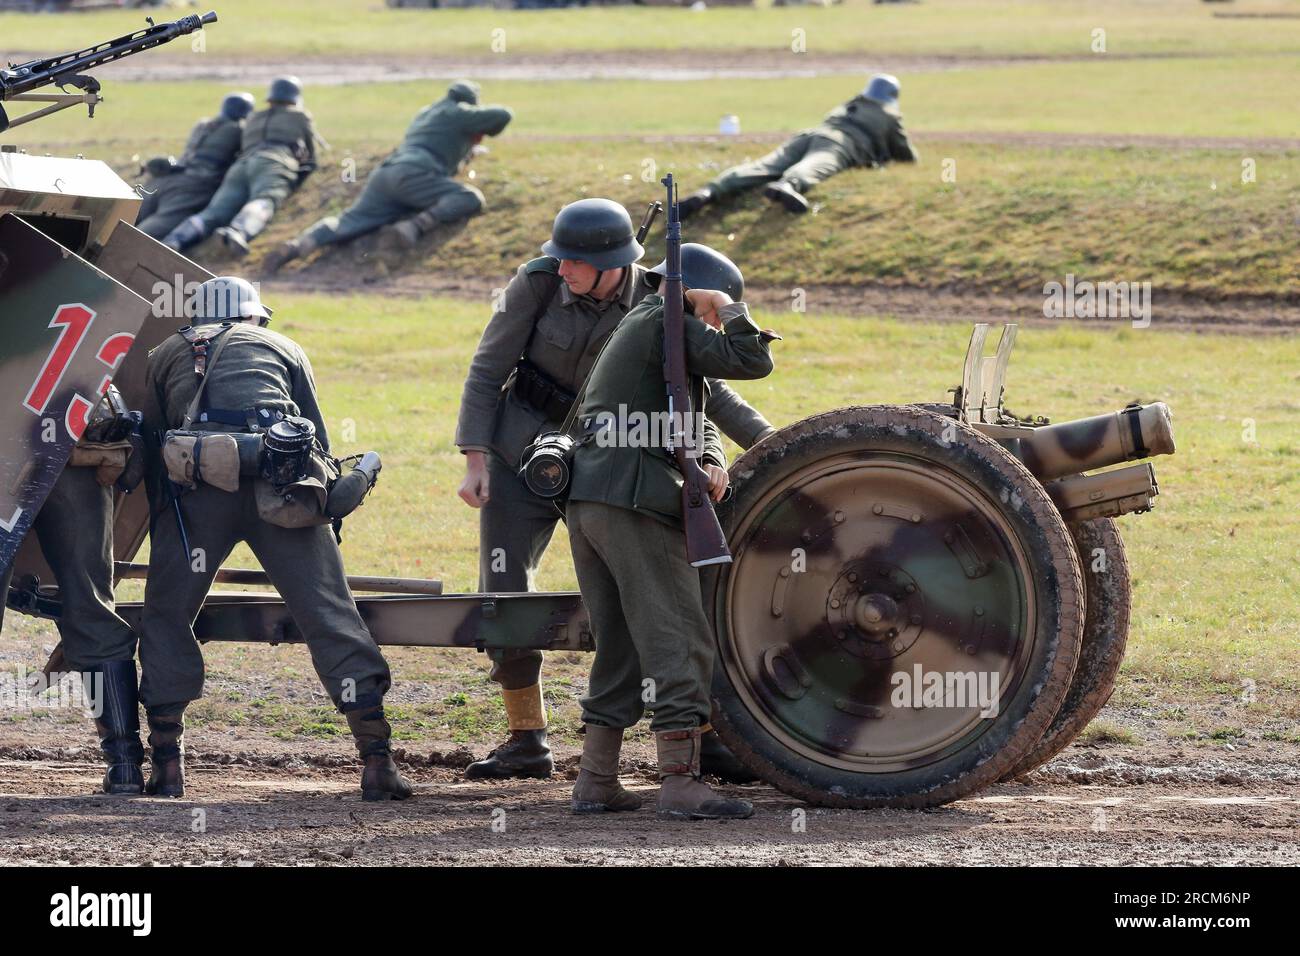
597, 789
525, 754
167, 746
380, 779
681, 792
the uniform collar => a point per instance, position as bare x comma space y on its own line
626, 295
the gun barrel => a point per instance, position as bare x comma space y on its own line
34, 74
1068, 448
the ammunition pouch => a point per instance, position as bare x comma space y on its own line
535, 388
108, 458
300, 503
212, 458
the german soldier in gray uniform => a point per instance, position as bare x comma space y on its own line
865, 131
277, 152
249, 375
178, 190
537, 349
75, 530
413, 190
629, 547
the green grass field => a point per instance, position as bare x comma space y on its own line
1016, 216
1034, 27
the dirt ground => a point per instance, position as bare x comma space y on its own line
261, 801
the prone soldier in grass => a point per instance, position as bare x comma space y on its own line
178, 190
414, 190
277, 153
538, 347
865, 131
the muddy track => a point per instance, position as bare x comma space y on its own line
941, 304
273, 808
660, 65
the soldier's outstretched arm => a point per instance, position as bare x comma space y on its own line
738, 350
738, 420
901, 149
491, 120
498, 353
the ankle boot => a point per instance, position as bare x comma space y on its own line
380, 778
694, 203
189, 232
598, 789
167, 746
118, 725
525, 754
246, 225
717, 761
681, 792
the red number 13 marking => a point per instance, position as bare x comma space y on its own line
73, 322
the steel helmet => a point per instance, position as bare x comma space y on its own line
597, 231
227, 299
238, 105
883, 88
706, 268
285, 89
463, 91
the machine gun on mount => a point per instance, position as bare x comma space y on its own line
912, 609
20, 79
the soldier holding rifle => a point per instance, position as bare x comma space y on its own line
641, 522
536, 351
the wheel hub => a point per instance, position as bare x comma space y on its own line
874, 610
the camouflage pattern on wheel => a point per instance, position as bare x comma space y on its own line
870, 542
1105, 634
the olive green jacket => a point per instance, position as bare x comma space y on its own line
872, 134
283, 133
257, 368
629, 378
563, 343
212, 147
441, 135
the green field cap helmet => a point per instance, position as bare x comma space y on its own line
464, 91
597, 231
706, 268
883, 88
285, 89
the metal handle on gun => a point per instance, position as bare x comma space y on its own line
652, 212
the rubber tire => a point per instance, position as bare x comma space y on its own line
1105, 636
1055, 576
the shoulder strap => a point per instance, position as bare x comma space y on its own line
547, 270
220, 338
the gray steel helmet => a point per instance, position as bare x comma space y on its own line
238, 105
463, 91
883, 88
285, 89
597, 231
706, 268
227, 299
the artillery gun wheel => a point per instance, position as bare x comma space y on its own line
1105, 634
869, 542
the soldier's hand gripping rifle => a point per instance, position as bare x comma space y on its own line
705, 542
17, 82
